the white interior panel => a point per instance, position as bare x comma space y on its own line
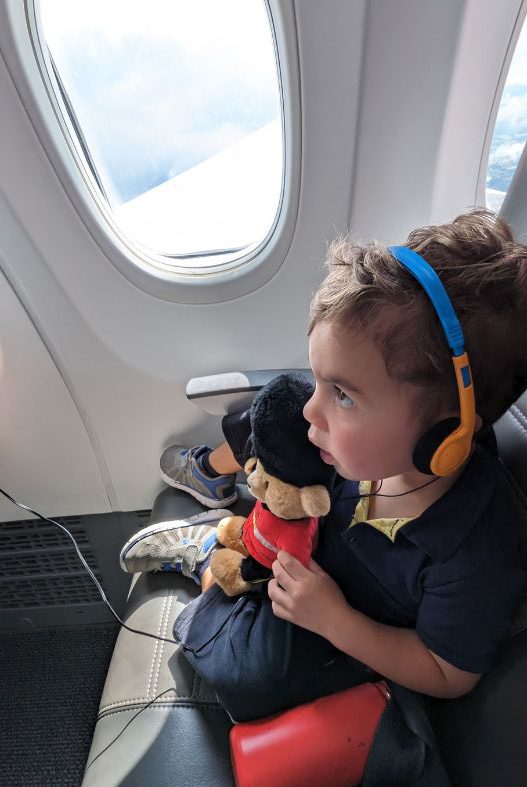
406, 79
46, 458
432, 80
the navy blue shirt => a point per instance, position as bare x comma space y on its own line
455, 574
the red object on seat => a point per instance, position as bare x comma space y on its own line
324, 742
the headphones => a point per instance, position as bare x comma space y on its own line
447, 444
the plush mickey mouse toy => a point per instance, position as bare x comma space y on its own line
290, 481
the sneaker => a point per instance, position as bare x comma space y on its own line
179, 468
179, 545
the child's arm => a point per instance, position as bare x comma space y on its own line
311, 599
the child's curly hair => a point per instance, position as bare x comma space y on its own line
484, 272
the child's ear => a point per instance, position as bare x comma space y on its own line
315, 500
478, 424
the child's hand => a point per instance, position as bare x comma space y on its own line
305, 596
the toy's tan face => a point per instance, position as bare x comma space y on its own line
257, 480
285, 500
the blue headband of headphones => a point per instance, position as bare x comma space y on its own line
431, 283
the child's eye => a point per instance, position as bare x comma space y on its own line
343, 399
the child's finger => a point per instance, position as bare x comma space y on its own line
281, 575
315, 568
277, 593
293, 566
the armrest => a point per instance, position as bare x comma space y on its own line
220, 394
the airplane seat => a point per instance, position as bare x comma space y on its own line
482, 735
182, 737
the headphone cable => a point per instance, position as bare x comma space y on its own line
399, 494
100, 588
88, 569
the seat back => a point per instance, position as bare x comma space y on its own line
482, 735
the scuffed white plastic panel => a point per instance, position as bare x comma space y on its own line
45, 455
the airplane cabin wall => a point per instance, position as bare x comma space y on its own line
94, 372
431, 85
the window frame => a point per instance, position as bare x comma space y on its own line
481, 188
222, 277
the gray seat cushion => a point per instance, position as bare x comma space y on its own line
182, 737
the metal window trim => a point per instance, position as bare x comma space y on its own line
480, 196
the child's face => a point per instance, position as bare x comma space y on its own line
365, 422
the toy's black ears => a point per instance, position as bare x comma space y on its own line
250, 465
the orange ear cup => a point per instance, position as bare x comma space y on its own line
451, 454
455, 449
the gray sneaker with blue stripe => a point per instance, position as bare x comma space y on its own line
181, 469
180, 545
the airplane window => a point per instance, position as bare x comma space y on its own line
176, 108
510, 131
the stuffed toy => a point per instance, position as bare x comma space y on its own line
290, 482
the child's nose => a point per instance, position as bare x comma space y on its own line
307, 409
313, 413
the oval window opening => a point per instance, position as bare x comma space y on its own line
177, 113
510, 131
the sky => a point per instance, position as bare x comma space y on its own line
161, 85
510, 131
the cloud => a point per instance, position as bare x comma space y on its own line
513, 111
221, 30
518, 69
159, 86
507, 154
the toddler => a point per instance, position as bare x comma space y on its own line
417, 573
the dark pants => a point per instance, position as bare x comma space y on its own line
257, 663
